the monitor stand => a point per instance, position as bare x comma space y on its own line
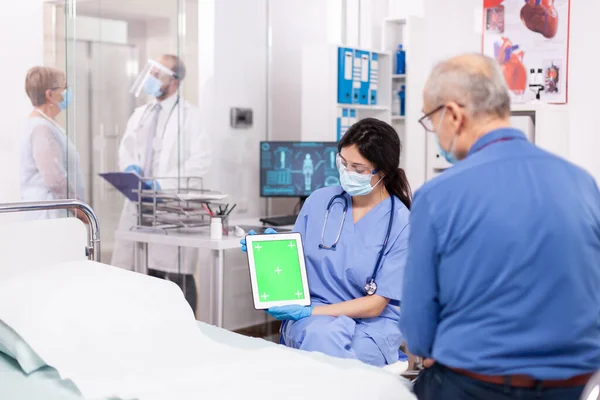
285, 220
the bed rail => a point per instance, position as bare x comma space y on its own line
93, 249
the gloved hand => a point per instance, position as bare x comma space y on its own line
134, 168
291, 312
152, 185
268, 231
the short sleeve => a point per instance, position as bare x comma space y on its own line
302, 220
390, 277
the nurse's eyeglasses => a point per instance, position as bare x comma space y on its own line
358, 168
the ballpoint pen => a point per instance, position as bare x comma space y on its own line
231, 209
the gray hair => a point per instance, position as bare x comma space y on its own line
178, 66
474, 81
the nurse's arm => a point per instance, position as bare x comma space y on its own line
363, 307
420, 308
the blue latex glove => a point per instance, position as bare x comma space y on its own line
268, 231
291, 312
134, 168
151, 185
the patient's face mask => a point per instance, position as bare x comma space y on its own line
447, 154
66, 99
353, 183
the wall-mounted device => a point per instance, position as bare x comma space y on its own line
241, 118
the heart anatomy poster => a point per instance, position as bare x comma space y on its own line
530, 41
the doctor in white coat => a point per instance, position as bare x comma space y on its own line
163, 139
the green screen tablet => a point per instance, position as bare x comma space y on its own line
277, 270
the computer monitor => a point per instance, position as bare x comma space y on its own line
296, 169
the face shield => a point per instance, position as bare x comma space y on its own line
153, 79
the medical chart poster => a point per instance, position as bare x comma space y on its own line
526, 35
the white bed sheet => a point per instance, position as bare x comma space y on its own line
143, 361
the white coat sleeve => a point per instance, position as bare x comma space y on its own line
127, 155
197, 156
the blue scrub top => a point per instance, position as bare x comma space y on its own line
340, 274
503, 275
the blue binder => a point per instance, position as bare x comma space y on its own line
374, 77
363, 58
345, 73
356, 75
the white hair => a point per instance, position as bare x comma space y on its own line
478, 85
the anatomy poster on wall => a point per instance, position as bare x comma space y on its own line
530, 40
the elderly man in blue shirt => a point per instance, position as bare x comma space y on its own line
502, 288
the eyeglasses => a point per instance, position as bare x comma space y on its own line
426, 121
362, 170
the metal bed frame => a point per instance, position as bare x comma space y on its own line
93, 249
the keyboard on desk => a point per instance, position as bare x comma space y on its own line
283, 220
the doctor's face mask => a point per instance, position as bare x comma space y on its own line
154, 80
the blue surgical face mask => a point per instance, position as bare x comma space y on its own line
447, 154
67, 97
152, 86
356, 184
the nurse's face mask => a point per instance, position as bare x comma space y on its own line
154, 80
355, 180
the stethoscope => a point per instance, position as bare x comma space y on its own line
370, 286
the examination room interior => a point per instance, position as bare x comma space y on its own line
263, 56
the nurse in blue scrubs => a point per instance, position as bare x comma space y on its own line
355, 242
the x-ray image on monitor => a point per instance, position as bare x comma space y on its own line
296, 169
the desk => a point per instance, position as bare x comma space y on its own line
197, 238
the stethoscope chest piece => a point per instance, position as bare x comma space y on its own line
371, 287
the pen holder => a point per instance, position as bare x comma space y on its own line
225, 223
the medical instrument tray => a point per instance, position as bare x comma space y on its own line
184, 204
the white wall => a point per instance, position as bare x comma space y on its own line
22, 23
454, 27
233, 73
584, 115
293, 24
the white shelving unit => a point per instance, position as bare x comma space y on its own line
320, 105
410, 33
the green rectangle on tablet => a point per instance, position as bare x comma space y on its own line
278, 274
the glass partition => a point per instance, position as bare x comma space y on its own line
103, 46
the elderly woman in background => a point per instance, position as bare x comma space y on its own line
49, 162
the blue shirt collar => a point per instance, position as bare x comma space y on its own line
496, 135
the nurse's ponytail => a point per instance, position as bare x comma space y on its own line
399, 187
379, 143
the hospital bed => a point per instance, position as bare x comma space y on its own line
67, 239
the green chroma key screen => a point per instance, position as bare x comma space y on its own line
278, 274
